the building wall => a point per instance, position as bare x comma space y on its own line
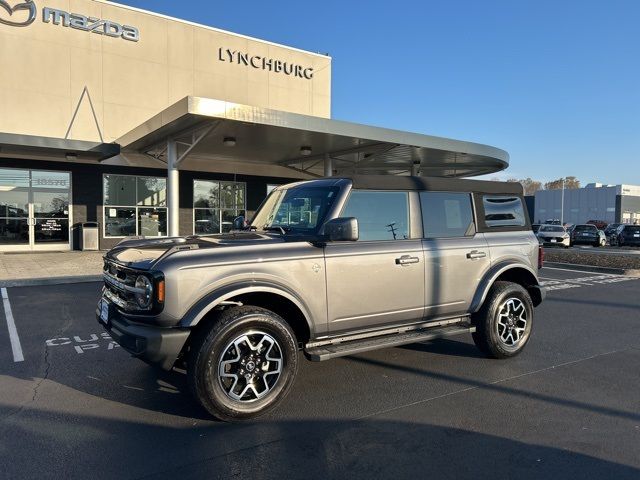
87, 195
580, 205
629, 209
44, 69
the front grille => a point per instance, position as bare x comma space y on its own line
116, 281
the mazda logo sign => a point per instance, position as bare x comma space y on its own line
13, 17
28, 5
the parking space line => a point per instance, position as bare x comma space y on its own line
588, 272
11, 325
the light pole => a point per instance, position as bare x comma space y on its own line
562, 205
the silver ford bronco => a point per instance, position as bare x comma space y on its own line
331, 267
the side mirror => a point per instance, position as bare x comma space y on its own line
238, 223
342, 229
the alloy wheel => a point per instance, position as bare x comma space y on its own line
512, 322
250, 366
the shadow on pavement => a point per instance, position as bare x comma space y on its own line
52, 445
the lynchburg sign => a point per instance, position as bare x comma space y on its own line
264, 63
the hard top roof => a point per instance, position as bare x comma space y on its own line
391, 182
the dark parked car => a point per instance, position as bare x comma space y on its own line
611, 230
586, 234
535, 227
626, 235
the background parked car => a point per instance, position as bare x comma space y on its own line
553, 235
626, 235
611, 230
535, 227
586, 234
600, 224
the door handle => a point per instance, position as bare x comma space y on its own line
406, 260
475, 254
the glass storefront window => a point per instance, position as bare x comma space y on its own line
206, 221
206, 194
119, 190
135, 206
152, 222
216, 205
152, 191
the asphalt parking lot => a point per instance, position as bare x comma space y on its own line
74, 405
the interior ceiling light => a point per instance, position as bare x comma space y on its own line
229, 141
305, 151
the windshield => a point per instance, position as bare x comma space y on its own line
297, 210
551, 229
585, 228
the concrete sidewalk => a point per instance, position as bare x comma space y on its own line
49, 268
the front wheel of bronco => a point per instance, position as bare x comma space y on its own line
244, 365
503, 324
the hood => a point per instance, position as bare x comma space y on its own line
141, 253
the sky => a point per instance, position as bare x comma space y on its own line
554, 83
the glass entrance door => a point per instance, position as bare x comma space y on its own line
34, 209
14, 209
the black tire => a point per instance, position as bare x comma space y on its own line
489, 333
211, 348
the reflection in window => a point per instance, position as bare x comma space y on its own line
134, 206
503, 211
446, 215
216, 204
380, 215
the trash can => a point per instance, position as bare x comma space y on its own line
89, 236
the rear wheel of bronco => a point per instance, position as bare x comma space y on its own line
503, 324
244, 365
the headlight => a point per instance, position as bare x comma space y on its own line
145, 293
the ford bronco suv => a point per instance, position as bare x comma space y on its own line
329, 267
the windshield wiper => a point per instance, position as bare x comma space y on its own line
276, 228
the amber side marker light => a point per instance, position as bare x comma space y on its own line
160, 292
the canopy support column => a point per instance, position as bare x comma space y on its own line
173, 194
328, 165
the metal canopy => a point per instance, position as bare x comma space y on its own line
306, 144
55, 148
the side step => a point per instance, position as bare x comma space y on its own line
326, 352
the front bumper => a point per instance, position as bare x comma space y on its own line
155, 345
555, 241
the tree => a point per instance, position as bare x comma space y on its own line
569, 183
530, 186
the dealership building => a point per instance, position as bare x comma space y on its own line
148, 125
608, 203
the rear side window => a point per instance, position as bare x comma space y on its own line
446, 214
503, 211
381, 215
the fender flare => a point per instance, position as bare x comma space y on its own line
493, 273
212, 299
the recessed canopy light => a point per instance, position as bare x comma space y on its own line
305, 151
229, 141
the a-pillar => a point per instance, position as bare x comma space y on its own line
173, 195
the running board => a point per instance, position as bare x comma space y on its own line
326, 352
